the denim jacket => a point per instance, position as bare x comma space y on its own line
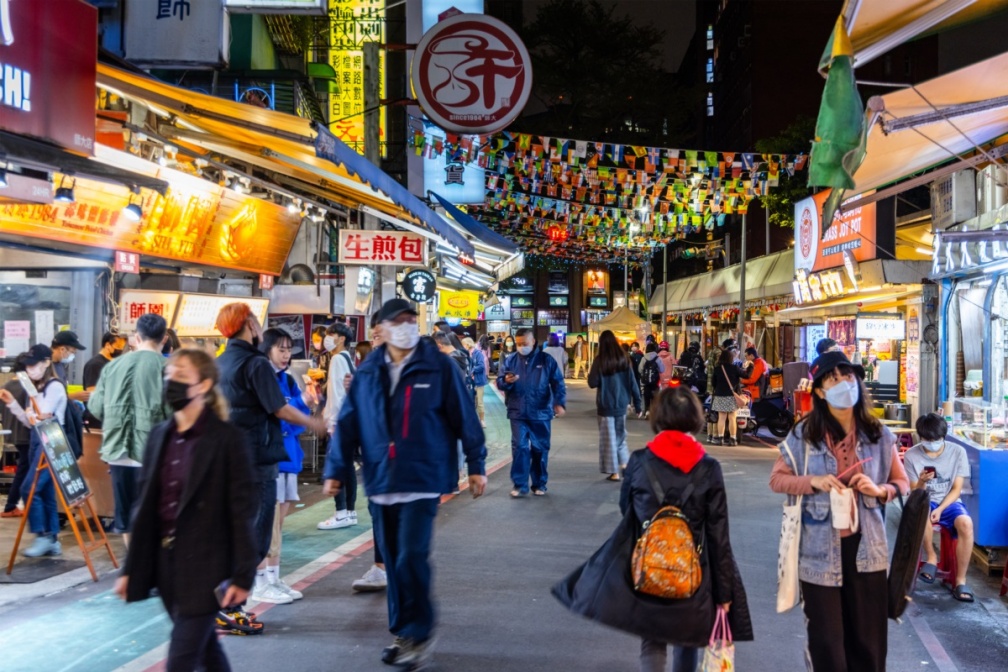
819, 549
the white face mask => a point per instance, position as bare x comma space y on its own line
329, 343
36, 372
404, 336
525, 350
69, 358
933, 446
844, 394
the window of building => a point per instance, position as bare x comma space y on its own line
710, 70
710, 37
710, 104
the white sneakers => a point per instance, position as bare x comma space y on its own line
295, 594
271, 593
339, 520
373, 580
43, 545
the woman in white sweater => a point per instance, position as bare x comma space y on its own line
43, 516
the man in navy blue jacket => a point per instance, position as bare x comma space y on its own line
534, 393
406, 410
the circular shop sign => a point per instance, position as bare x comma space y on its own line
419, 285
806, 233
471, 74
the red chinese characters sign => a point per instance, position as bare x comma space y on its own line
48, 59
136, 302
392, 248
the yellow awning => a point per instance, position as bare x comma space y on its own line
271, 140
900, 153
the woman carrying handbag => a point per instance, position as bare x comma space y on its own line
601, 589
611, 374
849, 470
726, 382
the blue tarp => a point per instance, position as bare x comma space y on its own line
477, 230
331, 148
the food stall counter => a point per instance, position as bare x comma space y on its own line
979, 427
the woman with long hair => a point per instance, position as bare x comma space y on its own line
612, 375
51, 402
507, 349
193, 536
726, 382
837, 458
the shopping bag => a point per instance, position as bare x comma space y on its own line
719, 656
788, 589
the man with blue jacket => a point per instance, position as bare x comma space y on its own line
534, 392
406, 409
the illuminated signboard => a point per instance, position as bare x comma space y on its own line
853, 231
395, 248
462, 304
48, 59
136, 302
815, 287
880, 327
558, 301
197, 314
352, 23
318, 7
197, 222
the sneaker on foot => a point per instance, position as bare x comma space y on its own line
271, 594
335, 523
353, 517
295, 594
373, 580
238, 622
400, 648
13, 513
418, 655
43, 546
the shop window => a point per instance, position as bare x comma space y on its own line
32, 309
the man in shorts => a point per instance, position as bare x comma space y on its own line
941, 468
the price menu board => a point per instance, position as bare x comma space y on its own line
197, 313
136, 302
68, 474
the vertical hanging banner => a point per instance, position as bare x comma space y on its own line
352, 23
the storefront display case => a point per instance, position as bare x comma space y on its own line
980, 427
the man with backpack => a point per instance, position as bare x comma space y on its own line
128, 402
650, 371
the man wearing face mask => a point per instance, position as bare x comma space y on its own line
534, 393
65, 345
112, 346
406, 409
128, 402
248, 382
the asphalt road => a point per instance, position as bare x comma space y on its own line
495, 560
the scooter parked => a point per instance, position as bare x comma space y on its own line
770, 413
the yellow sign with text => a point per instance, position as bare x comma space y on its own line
352, 23
464, 304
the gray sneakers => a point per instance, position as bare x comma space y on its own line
413, 655
373, 580
44, 545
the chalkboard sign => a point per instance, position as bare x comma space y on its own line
62, 461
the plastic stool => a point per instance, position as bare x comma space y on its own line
948, 566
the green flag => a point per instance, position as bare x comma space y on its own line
841, 133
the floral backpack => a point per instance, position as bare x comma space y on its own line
666, 561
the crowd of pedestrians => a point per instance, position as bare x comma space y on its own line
204, 456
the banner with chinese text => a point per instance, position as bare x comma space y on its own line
352, 23
392, 248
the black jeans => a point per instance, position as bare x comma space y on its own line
347, 497
847, 627
20, 473
193, 644
264, 520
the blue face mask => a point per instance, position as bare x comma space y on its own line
844, 394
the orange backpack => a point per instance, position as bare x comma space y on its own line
666, 562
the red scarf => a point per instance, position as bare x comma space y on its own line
679, 449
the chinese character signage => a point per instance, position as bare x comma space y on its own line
136, 302
463, 304
852, 231
48, 58
127, 262
881, 327
354, 22
392, 248
419, 285
471, 74
62, 461
197, 313
176, 34
197, 222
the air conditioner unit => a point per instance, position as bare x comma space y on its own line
953, 199
992, 188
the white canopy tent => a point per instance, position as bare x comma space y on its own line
624, 323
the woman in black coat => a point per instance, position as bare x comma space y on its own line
726, 383
192, 529
602, 588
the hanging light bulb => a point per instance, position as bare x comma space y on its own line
134, 209
65, 193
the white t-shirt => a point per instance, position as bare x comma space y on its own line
339, 369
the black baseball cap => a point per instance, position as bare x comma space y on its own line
36, 353
728, 343
828, 361
68, 339
393, 308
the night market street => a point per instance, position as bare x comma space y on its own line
495, 560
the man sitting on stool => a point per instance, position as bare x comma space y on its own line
941, 468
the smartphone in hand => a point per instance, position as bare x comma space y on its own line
930, 470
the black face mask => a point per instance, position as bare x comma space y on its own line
176, 394
255, 342
116, 353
